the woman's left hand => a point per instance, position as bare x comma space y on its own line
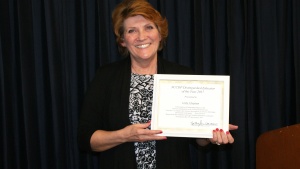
219, 137
223, 137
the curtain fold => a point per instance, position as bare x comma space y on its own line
295, 17
51, 49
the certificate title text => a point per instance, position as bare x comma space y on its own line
192, 89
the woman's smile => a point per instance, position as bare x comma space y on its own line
143, 46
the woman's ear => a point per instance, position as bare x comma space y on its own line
122, 42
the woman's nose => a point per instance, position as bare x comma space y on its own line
142, 35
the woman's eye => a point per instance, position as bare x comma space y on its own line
149, 27
131, 31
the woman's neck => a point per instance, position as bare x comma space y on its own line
144, 68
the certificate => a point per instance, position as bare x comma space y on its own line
190, 105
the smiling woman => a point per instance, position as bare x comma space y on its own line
116, 114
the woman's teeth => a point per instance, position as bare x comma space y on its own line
143, 46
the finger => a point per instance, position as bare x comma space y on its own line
146, 131
152, 135
224, 137
155, 137
215, 136
143, 125
220, 140
229, 137
233, 127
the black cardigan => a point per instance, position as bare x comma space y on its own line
105, 107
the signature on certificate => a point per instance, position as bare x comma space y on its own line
201, 123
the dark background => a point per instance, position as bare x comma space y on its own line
50, 50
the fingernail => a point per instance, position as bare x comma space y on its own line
214, 130
221, 130
227, 132
160, 132
217, 129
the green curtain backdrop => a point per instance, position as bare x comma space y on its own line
51, 49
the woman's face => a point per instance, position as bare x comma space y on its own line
141, 38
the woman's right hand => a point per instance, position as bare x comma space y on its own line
102, 140
141, 133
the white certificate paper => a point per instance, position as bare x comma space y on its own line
190, 105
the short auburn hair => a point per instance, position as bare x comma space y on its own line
130, 8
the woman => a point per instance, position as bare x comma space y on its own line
116, 114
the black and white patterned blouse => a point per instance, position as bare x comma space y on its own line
140, 108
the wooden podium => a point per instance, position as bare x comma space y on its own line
279, 149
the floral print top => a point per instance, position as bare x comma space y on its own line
140, 108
